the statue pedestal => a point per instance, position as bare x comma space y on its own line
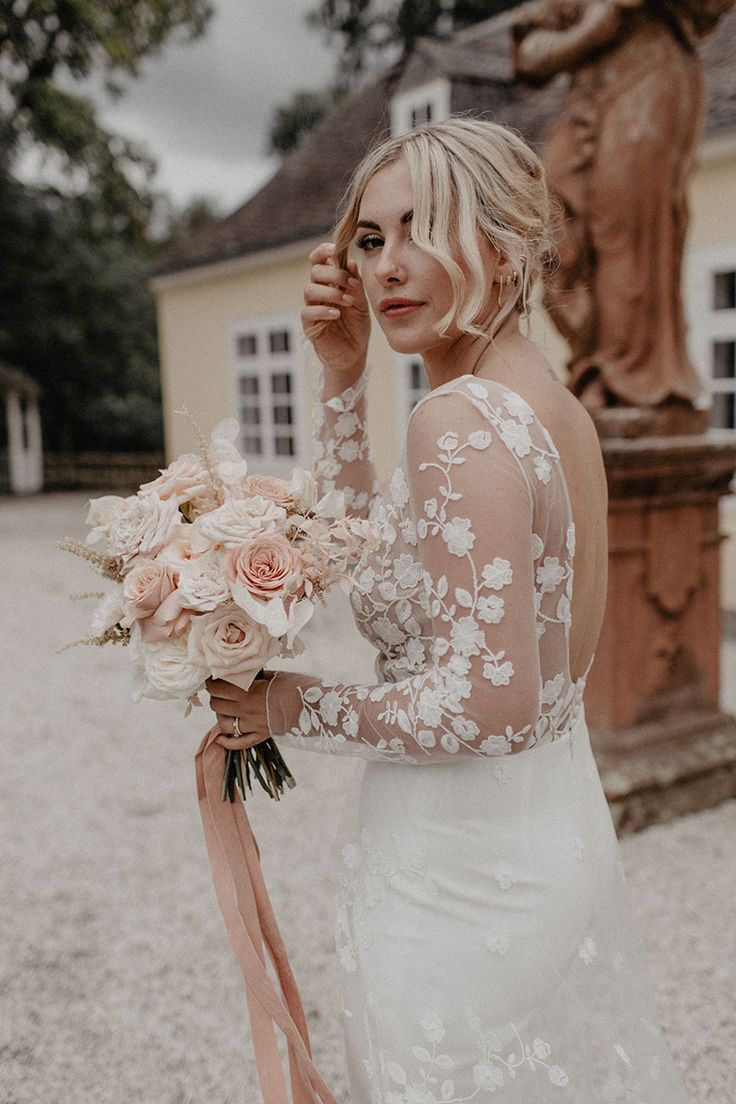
662, 743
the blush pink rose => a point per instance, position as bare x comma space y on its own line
266, 566
184, 479
151, 599
270, 487
230, 645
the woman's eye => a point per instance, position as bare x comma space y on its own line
370, 241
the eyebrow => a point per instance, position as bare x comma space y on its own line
364, 224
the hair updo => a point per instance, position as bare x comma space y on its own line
469, 176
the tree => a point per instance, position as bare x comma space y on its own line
370, 33
75, 312
47, 44
293, 119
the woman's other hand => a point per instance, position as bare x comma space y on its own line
335, 318
249, 706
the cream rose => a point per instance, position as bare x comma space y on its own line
108, 612
164, 670
266, 566
100, 515
237, 521
184, 479
142, 527
203, 585
270, 487
230, 645
151, 598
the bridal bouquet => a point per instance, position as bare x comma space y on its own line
216, 572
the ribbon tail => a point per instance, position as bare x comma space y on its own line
250, 921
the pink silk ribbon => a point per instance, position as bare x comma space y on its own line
250, 921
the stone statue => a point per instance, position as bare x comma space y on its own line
618, 160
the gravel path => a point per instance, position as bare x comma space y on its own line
117, 984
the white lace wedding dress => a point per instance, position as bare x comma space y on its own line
482, 927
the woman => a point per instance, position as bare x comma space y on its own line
480, 929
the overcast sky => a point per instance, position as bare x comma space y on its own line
202, 110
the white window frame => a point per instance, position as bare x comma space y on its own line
706, 325
408, 394
434, 94
265, 365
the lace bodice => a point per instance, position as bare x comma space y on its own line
467, 598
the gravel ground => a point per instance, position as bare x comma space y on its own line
117, 984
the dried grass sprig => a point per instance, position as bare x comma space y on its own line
110, 567
114, 635
204, 454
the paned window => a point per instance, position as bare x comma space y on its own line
267, 398
710, 301
413, 383
415, 107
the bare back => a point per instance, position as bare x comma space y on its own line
576, 439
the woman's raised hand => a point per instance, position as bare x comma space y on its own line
335, 317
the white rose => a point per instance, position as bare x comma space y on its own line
237, 521
184, 479
202, 584
101, 513
142, 527
164, 670
107, 613
230, 645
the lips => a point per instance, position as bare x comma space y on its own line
395, 308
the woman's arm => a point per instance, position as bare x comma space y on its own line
342, 451
540, 54
335, 319
480, 692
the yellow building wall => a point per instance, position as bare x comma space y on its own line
713, 220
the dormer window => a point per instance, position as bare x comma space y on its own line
417, 106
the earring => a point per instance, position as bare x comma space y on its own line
502, 282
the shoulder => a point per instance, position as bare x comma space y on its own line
467, 404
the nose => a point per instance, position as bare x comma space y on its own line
389, 270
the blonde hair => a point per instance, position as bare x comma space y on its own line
468, 176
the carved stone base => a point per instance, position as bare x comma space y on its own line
668, 420
683, 773
660, 739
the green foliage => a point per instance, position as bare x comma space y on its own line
45, 46
371, 32
75, 312
293, 119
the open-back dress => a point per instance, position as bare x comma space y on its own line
482, 928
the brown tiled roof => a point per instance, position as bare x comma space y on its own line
300, 200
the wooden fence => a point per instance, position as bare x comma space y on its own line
114, 472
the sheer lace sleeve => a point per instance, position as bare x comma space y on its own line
481, 689
341, 448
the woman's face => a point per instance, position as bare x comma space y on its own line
408, 290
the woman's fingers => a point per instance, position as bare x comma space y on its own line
311, 316
321, 293
322, 253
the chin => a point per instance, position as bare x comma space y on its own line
407, 340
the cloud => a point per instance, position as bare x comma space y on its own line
203, 109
